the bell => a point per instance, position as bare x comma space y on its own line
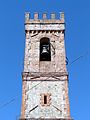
44, 50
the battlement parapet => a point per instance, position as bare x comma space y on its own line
36, 19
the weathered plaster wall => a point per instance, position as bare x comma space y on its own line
58, 107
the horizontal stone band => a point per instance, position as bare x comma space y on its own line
44, 76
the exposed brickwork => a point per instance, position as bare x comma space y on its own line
67, 99
23, 99
32, 63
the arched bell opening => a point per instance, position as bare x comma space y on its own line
45, 50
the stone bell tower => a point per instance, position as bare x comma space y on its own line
45, 77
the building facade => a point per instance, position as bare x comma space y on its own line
45, 77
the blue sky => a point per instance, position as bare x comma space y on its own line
12, 40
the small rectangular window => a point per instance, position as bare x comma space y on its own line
45, 99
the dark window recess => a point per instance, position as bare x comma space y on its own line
45, 99
45, 50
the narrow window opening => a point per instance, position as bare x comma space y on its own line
45, 99
45, 50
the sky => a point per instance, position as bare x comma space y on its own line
12, 43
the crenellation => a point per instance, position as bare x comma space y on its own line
62, 16
44, 16
44, 19
27, 16
36, 16
53, 16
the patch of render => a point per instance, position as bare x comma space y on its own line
57, 108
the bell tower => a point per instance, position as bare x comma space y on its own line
45, 77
